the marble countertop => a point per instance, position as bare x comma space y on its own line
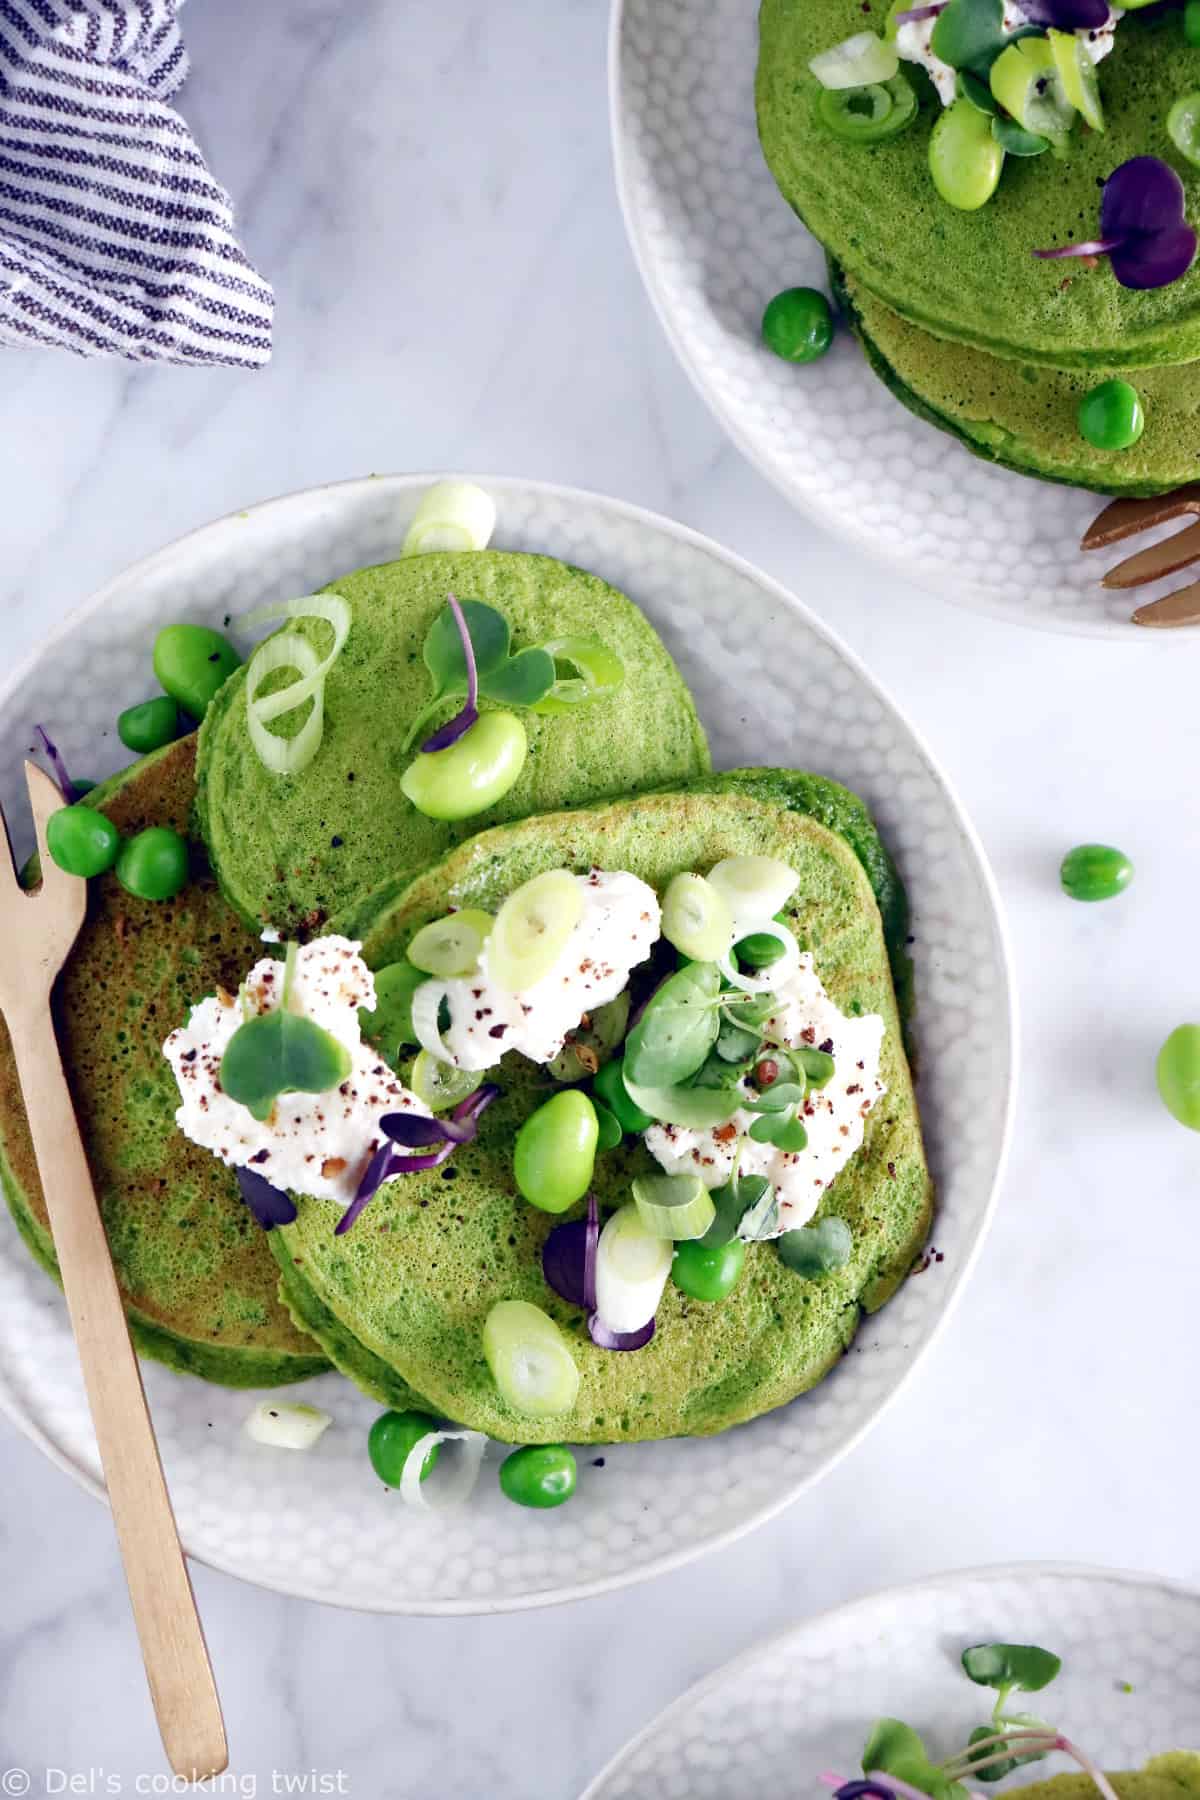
429, 188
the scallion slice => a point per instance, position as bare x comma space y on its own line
768, 979
599, 671
291, 650
632, 1266
426, 1005
287, 1425
856, 62
448, 1485
675, 1207
452, 515
755, 888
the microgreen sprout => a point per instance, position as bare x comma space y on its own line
413, 1142
70, 792
467, 651
281, 1052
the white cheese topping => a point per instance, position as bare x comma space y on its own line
913, 45
834, 1116
617, 929
314, 1144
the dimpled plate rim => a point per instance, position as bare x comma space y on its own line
1022, 1600
317, 1526
713, 239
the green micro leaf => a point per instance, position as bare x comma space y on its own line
782, 1130
1021, 1668
732, 1201
520, 681
969, 34
894, 1748
443, 650
814, 1251
780, 1097
281, 1053
677, 1029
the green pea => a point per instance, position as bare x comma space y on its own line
1111, 416
470, 775
1178, 1073
82, 841
708, 1271
391, 1442
149, 725
191, 662
1095, 872
609, 1083
541, 1475
964, 158
1191, 24
555, 1152
758, 951
154, 864
798, 325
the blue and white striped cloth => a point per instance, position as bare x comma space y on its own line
114, 237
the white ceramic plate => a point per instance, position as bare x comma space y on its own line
802, 1703
714, 240
773, 686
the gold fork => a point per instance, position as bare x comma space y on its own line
1125, 518
37, 931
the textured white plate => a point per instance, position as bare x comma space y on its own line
802, 1703
714, 240
773, 686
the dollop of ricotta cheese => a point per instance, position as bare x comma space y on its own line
618, 927
316, 1144
913, 44
834, 1116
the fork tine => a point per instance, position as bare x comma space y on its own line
1124, 518
1156, 560
9, 883
1180, 608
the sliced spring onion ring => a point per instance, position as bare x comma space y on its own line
755, 888
287, 1425
675, 1207
775, 974
632, 1265
439, 1085
451, 946
452, 515
856, 62
600, 672
290, 650
695, 1107
426, 1005
452, 1487
532, 929
530, 1359
696, 918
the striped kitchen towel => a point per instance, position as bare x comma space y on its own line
114, 237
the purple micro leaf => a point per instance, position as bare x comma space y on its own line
569, 1259
386, 1165
463, 1124
413, 1130
864, 1789
916, 14
66, 786
462, 721
1067, 15
618, 1340
1143, 231
269, 1205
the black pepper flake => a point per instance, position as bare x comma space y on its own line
215, 657
188, 1056
497, 1031
335, 842
597, 1462
261, 1156
891, 1168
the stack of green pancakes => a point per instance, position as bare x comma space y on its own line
398, 1302
965, 325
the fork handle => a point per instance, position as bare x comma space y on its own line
164, 1607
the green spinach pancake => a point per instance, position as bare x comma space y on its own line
1175, 1775
199, 1281
293, 852
1023, 417
971, 275
399, 1301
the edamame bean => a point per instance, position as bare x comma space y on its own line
149, 725
798, 325
82, 841
708, 1271
191, 662
391, 1442
472, 774
541, 1475
609, 1084
555, 1153
1111, 416
154, 864
964, 158
1178, 1073
1095, 872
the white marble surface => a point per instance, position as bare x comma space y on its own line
430, 190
